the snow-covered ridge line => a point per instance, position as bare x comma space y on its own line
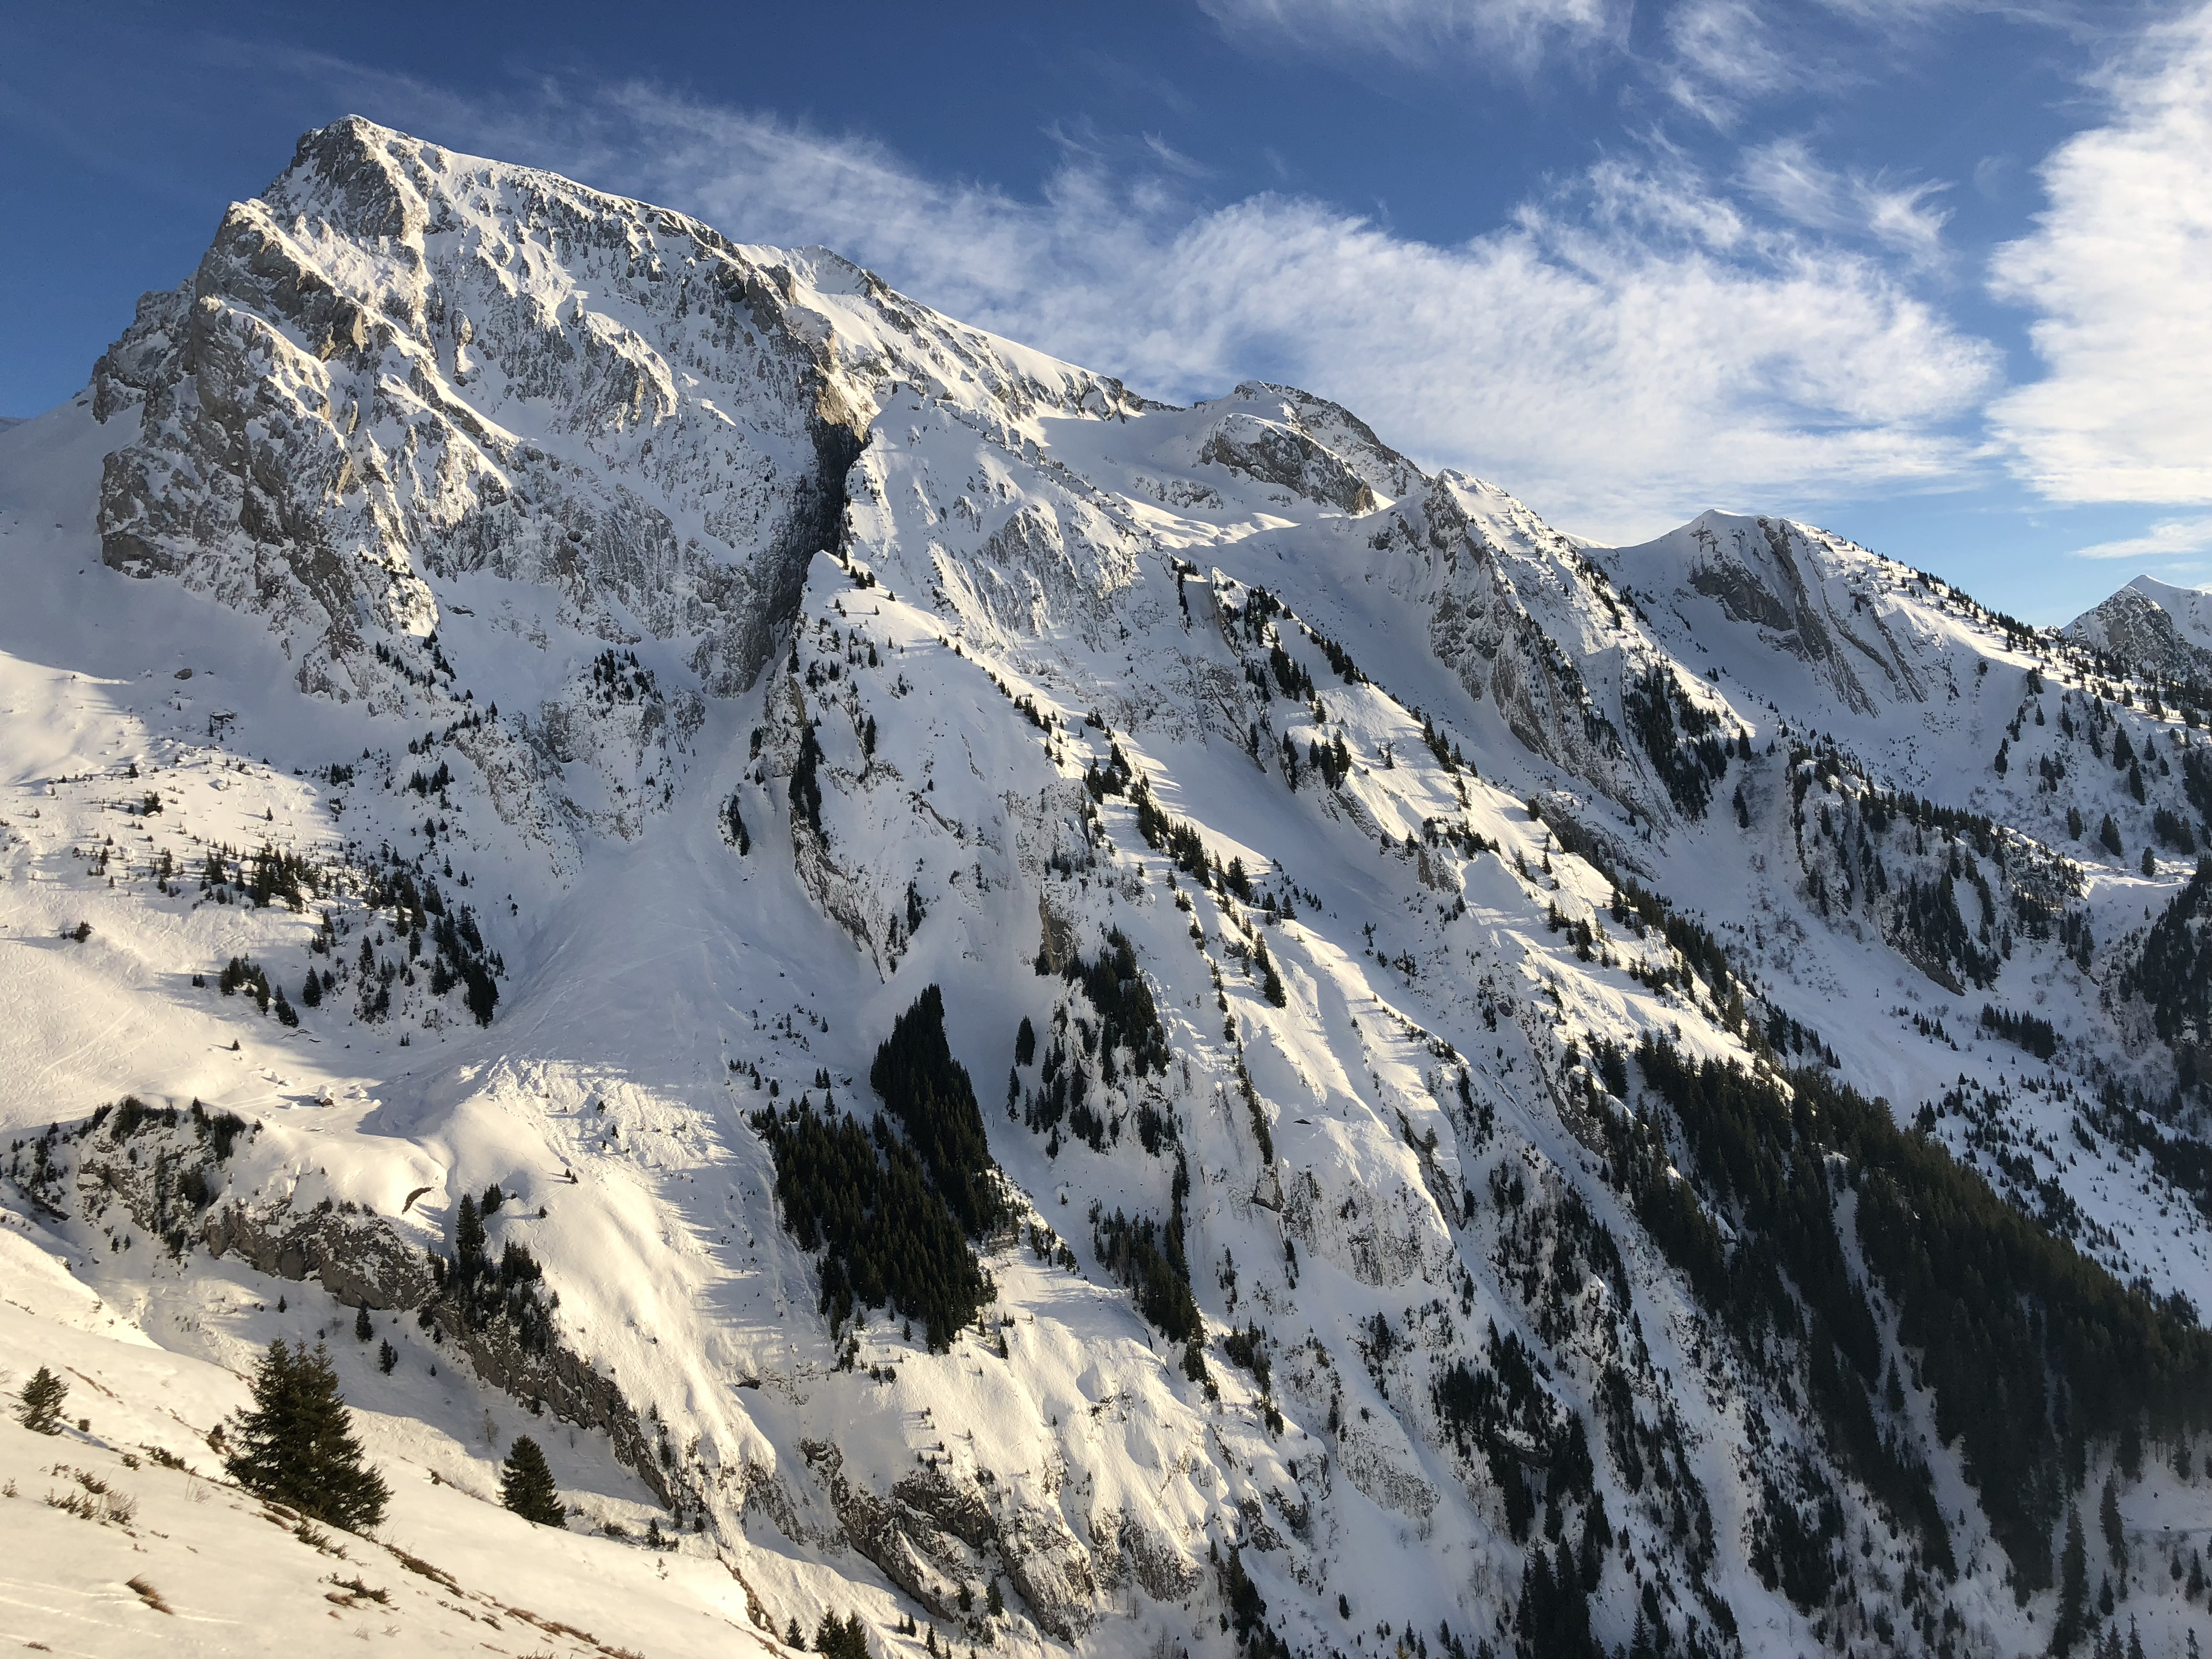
749, 648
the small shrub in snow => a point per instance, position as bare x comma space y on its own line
92, 1498
148, 1595
39, 1403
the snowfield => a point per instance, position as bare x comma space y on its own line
503, 687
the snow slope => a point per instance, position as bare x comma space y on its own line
457, 526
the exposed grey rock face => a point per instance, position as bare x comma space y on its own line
2134, 626
171, 1176
1503, 589
1804, 592
1286, 456
370, 381
400, 371
932, 1539
1348, 443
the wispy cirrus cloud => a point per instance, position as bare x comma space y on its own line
1516, 34
1903, 215
2113, 274
2171, 538
2116, 273
1716, 59
1722, 55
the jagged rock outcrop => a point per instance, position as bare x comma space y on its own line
932, 1540
168, 1171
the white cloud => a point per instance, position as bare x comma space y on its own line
1899, 214
1519, 33
1785, 174
2118, 270
1723, 56
2173, 538
1624, 353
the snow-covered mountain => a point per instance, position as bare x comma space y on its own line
1079, 1026
2153, 627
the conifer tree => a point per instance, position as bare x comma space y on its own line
526, 1485
296, 1447
928, 1091
39, 1404
2108, 1518
1271, 982
362, 1330
468, 1239
2074, 1588
841, 1638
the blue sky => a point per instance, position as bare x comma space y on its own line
1937, 275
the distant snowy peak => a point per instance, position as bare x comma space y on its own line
1814, 625
2154, 626
2190, 607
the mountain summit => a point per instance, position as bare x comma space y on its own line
999, 1016
2153, 626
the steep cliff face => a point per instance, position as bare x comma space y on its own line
369, 382
402, 375
1060, 1022
1804, 595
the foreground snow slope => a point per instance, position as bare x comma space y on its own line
624, 668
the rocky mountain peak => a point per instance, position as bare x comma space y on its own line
1000, 1014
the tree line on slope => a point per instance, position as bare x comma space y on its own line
1127, 1041
1680, 738
893, 1217
2173, 975
2031, 1350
